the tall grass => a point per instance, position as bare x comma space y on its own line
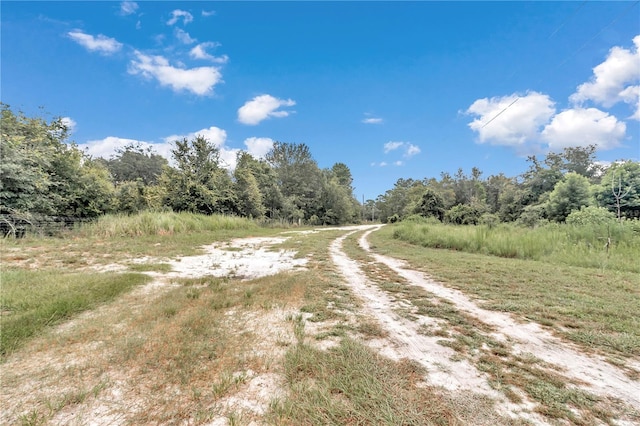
614, 246
34, 300
161, 223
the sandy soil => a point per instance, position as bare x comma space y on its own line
43, 368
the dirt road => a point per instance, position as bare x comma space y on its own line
79, 354
598, 376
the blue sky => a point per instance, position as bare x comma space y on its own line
391, 89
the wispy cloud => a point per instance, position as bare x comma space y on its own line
262, 107
207, 13
199, 81
199, 52
392, 146
100, 43
184, 36
372, 120
408, 149
178, 14
128, 7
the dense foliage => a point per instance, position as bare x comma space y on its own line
42, 173
551, 190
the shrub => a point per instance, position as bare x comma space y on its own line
590, 216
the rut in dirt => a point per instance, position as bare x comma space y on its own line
407, 342
603, 379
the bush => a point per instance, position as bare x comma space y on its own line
591, 216
533, 216
463, 214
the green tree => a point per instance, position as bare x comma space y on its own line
570, 194
431, 205
299, 179
41, 173
198, 184
619, 190
133, 162
250, 200
343, 175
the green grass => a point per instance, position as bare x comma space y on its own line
598, 310
558, 244
351, 384
34, 300
161, 223
117, 238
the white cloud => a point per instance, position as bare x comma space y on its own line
108, 146
199, 81
411, 150
582, 127
258, 147
207, 13
199, 52
392, 146
262, 107
383, 164
213, 134
511, 120
398, 163
128, 7
614, 80
99, 43
372, 120
70, 123
184, 36
177, 14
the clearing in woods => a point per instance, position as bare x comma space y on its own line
310, 327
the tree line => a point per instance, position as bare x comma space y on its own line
43, 174
550, 190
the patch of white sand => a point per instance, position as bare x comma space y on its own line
246, 258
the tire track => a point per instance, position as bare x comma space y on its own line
600, 377
409, 343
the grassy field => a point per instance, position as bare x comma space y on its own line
179, 351
596, 308
204, 339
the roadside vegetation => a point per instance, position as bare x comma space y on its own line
605, 246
